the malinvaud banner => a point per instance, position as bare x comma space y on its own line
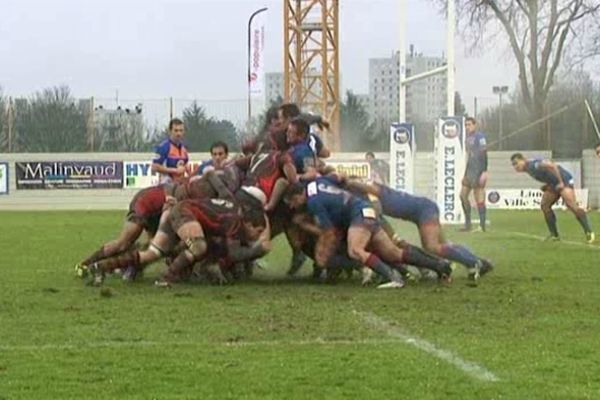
449, 155
402, 156
69, 175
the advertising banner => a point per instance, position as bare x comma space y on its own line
449, 168
257, 55
3, 178
402, 157
138, 175
358, 169
527, 199
69, 175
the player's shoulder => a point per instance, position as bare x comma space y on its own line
164, 144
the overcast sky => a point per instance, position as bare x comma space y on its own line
197, 48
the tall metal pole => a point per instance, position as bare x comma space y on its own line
254, 14
402, 61
500, 129
451, 28
10, 124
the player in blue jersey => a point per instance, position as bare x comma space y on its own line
476, 174
219, 151
425, 214
303, 156
171, 157
335, 208
558, 183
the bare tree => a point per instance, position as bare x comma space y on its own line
541, 34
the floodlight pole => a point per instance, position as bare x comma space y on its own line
451, 28
500, 90
402, 62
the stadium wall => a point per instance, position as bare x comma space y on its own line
502, 176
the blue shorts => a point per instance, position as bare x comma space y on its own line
366, 217
429, 212
569, 183
471, 178
416, 209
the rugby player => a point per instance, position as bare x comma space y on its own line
288, 112
171, 158
148, 204
425, 214
558, 183
219, 151
198, 224
144, 215
476, 174
302, 155
334, 208
273, 135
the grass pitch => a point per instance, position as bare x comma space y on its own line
533, 323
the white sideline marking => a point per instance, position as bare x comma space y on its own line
470, 368
241, 343
541, 238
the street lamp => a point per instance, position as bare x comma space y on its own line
500, 90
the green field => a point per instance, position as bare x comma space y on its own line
530, 330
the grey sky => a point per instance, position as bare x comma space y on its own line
197, 48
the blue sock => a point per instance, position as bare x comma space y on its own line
482, 211
583, 220
459, 254
380, 267
551, 222
343, 261
466, 206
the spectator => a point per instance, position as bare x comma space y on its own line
379, 169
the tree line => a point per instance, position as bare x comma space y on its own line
53, 121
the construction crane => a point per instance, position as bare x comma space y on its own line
311, 64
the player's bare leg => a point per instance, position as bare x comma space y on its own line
432, 240
408, 254
359, 238
161, 244
192, 235
129, 234
568, 196
549, 198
